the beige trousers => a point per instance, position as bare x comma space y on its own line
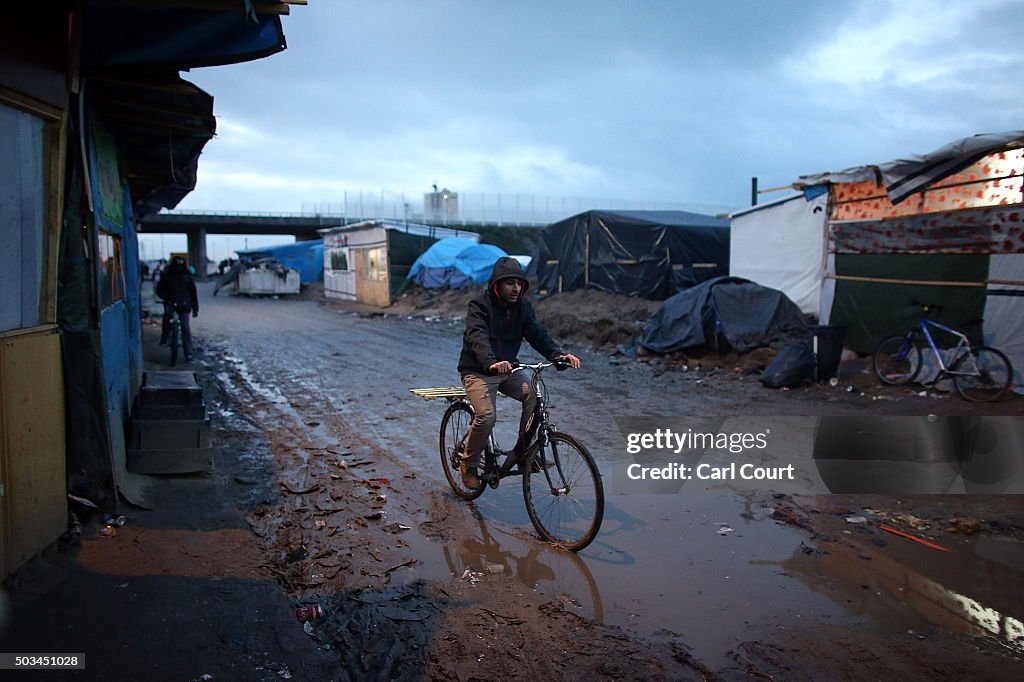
483, 391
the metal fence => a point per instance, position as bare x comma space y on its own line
446, 207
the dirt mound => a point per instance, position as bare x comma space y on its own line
586, 317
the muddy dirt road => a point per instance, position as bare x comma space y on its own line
707, 581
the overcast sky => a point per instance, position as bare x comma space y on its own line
678, 101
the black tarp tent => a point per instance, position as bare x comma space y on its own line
743, 313
650, 254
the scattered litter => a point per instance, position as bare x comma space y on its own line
495, 569
293, 491
320, 523
306, 611
284, 673
833, 382
82, 500
725, 529
397, 527
507, 620
118, 520
107, 532
965, 526
407, 562
856, 519
852, 389
472, 576
887, 529
308, 628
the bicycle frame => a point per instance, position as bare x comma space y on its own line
540, 434
963, 346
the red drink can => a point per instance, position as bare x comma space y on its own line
307, 612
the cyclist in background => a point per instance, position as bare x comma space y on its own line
496, 324
177, 288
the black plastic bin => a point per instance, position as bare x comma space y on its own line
829, 348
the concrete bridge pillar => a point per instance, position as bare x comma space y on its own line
197, 251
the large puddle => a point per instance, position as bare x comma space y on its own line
714, 566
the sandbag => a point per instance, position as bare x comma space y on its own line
790, 367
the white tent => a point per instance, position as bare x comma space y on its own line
781, 245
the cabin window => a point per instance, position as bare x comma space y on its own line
375, 264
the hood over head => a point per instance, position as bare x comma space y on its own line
506, 267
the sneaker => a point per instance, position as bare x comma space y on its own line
469, 478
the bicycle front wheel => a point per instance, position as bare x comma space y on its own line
897, 360
454, 428
173, 343
563, 493
986, 377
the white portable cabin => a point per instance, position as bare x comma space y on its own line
368, 261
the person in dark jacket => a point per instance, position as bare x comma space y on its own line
496, 324
177, 289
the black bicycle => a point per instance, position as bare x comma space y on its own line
562, 485
174, 339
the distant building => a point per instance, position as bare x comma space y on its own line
441, 205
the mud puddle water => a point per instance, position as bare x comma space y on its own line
714, 567
976, 588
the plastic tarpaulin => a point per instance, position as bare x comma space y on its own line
746, 314
648, 254
781, 245
453, 263
307, 257
478, 261
178, 38
904, 177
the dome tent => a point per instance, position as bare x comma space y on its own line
454, 263
478, 260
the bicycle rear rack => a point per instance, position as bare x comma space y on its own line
449, 392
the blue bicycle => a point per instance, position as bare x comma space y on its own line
979, 373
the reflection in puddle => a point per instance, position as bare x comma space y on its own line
561, 576
978, 589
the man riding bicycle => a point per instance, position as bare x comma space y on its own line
177, 288
496, 324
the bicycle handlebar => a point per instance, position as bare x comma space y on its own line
560, 365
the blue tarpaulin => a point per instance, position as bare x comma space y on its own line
454, 263
478, 260
306, 257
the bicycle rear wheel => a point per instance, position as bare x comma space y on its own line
563, 493
173, 342
991, 380
454, 427
897, 360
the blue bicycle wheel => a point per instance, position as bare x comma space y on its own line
897, 360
